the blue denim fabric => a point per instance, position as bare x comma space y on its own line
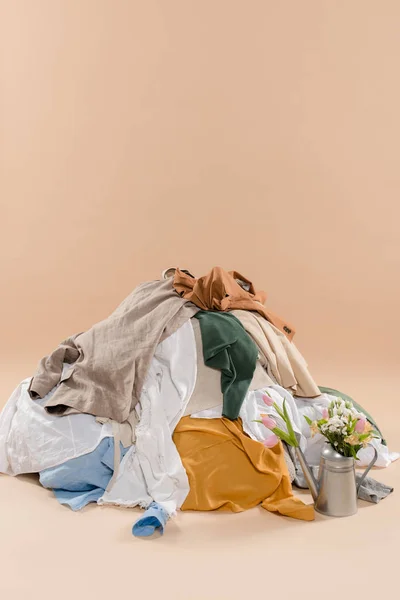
154, 518
84, 479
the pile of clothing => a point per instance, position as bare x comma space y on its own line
156, 406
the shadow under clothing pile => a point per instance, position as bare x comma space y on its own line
154, 408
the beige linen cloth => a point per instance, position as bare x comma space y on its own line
279, 356
111, 360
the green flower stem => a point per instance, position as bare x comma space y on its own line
289, 437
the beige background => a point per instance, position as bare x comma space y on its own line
261, 136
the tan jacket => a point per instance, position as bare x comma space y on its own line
220, 290
111, 360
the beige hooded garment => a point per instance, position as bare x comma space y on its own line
279, 355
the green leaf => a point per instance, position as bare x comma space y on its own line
282, 435
289, 426
278, 410
308, 420
353, 452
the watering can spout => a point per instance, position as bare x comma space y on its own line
308, 474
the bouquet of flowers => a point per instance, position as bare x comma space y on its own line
345, 428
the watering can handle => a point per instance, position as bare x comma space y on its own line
367, 470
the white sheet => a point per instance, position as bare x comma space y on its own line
153, 470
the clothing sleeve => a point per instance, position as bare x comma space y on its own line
50, 368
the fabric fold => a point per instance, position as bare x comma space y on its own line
221, 290
229, 471
113, 357
152, 469
228, 348
85, 479
207, 392
279, 356
154, 518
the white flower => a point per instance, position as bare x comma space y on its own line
334, 423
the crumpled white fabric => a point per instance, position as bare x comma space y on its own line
385, 458
6, 417
297, 408
32, 440
153, 470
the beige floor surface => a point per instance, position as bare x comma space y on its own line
47, 551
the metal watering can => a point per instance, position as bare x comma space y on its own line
335, 492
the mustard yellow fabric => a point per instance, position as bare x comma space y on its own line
229, 471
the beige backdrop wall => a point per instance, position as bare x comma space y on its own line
261, 136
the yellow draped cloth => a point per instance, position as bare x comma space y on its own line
229, 471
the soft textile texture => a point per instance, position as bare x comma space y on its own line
279, 356
207, 392
32, 440
155, 517
85, 479
228, 348
111, 360
220, 290
152, 469
372, 490
332, 392
227, 470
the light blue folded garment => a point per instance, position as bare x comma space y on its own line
155, 517
84, 479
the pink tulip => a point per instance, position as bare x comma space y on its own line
360, 425
271, 441
268, 422
325, 414
268, 400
